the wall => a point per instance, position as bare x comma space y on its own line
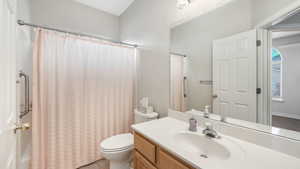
24, 63
262, 9
291, 73
70, 15
147, 24
195, 40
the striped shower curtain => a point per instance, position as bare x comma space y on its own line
177, 100
83, 92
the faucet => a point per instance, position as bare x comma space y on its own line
193, 125
223, 118
210, 132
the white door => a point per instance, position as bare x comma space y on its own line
234, 76
7, 84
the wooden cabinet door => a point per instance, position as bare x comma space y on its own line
141, 163
145, 147
166, 161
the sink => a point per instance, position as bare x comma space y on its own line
202, 145
207, 148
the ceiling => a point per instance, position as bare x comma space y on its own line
277, 35
195, 9
114, 7
291, 23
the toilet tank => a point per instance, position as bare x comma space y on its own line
140, 117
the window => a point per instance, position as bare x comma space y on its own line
277, 60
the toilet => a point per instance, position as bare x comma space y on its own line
118, 149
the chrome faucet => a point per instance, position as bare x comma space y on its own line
210, 132
193, 125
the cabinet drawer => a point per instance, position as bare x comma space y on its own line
166, 161
145, 147
141, 163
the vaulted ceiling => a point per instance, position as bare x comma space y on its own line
114, 7
291, 23
195, 9
277, 35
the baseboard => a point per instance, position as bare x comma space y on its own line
287, 115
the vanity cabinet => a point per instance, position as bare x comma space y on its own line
141, 163
166, 161
148, 155
145, 147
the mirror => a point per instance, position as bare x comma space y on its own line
245, 71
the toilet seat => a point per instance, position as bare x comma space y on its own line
117, 150
118, 143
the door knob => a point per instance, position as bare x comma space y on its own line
22, 127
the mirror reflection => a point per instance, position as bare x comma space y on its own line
284, 80
246, 70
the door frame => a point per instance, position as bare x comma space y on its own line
264, 100
263, 77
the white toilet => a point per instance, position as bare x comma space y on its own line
118, 149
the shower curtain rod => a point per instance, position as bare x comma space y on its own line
21, 22
178, 54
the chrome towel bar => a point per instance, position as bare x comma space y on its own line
27, 107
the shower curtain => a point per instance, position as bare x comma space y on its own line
83, 92
177, 83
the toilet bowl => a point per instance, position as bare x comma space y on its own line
118, 150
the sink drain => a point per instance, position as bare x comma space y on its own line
203, 156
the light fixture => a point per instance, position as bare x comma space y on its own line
181, 4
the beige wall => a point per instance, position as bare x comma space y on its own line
147, 23
24, 63
70, 15
195, 40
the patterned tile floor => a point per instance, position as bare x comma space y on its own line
101, 164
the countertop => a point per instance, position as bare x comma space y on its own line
162, 131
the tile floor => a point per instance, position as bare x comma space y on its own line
101, 164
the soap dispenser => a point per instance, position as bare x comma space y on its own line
193, 124
206, 111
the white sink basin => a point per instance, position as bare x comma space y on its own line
207, 148
201, 145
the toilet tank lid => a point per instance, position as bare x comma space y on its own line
146, 115
117, 142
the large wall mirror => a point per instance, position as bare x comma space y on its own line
242, 69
